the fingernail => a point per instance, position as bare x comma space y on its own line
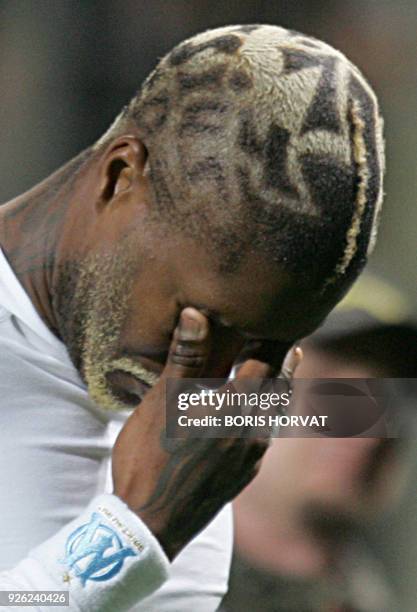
298, 353
189, 327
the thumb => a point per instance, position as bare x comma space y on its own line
189, 347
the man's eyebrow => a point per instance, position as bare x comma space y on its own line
216, 317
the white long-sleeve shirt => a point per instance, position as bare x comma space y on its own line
55, 453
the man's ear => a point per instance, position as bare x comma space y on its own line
122, 166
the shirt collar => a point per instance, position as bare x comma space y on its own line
15, 300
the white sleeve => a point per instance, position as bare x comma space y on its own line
106, 558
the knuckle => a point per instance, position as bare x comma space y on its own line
188, 361
187, 350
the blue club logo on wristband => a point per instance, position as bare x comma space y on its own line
94, 551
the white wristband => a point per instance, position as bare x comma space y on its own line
107, 558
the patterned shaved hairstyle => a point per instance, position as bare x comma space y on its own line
261, 139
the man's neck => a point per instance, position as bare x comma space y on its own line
30, 229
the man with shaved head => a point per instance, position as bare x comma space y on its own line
225, 212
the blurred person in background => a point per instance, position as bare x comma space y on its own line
302, 527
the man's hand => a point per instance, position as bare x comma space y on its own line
177, 486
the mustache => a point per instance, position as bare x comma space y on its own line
128, 381
135, 369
